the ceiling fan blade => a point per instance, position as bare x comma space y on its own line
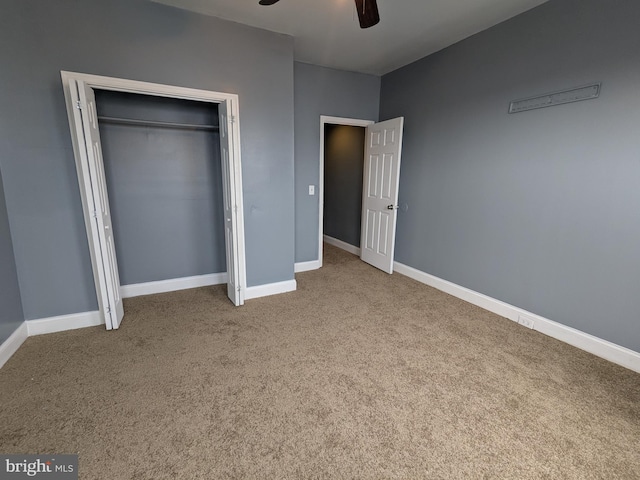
367, 13
267, 2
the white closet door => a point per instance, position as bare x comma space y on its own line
106, 265
231, 207
382, 154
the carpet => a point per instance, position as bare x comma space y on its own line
358, 374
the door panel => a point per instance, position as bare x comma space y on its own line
370, 220
107, 265
387, 180
230, 210
379, 203
383, 244
372, 186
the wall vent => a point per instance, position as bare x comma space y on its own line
557, 98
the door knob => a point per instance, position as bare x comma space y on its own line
391, 207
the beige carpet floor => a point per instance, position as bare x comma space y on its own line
357, 375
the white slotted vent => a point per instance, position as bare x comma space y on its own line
577, 94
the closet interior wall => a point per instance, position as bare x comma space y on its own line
164, 182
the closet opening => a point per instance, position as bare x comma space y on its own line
162, 194
164, 177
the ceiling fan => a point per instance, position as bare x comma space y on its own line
367, 11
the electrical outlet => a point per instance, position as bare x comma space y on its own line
526, 321
312, 189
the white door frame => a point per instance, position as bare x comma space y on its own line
158, 90
324, 119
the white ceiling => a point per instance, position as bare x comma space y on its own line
326, 32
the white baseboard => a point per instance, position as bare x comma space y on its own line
64, 322
173, 284
12, 344
270, 289
343, 245
306, 266
597, 346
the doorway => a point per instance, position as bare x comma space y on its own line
79, 92
327, 124
380, 182
343, 174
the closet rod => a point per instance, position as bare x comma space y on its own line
151, 123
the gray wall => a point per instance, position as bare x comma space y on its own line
165, 187
343, 171
322, 91
538, 209
10, 305
145, 41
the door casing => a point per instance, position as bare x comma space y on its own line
160, 90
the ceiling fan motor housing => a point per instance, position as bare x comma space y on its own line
367, 13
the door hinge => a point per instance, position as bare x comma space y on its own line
239, 289
235, 208
78, 105
232, 118
95, 214
108, 308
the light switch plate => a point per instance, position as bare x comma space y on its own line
312, 189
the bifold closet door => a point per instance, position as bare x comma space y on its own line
101, 230
231, 202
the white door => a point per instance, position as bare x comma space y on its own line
92, 171
383, 149
232, 205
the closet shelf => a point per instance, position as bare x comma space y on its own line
151, 123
